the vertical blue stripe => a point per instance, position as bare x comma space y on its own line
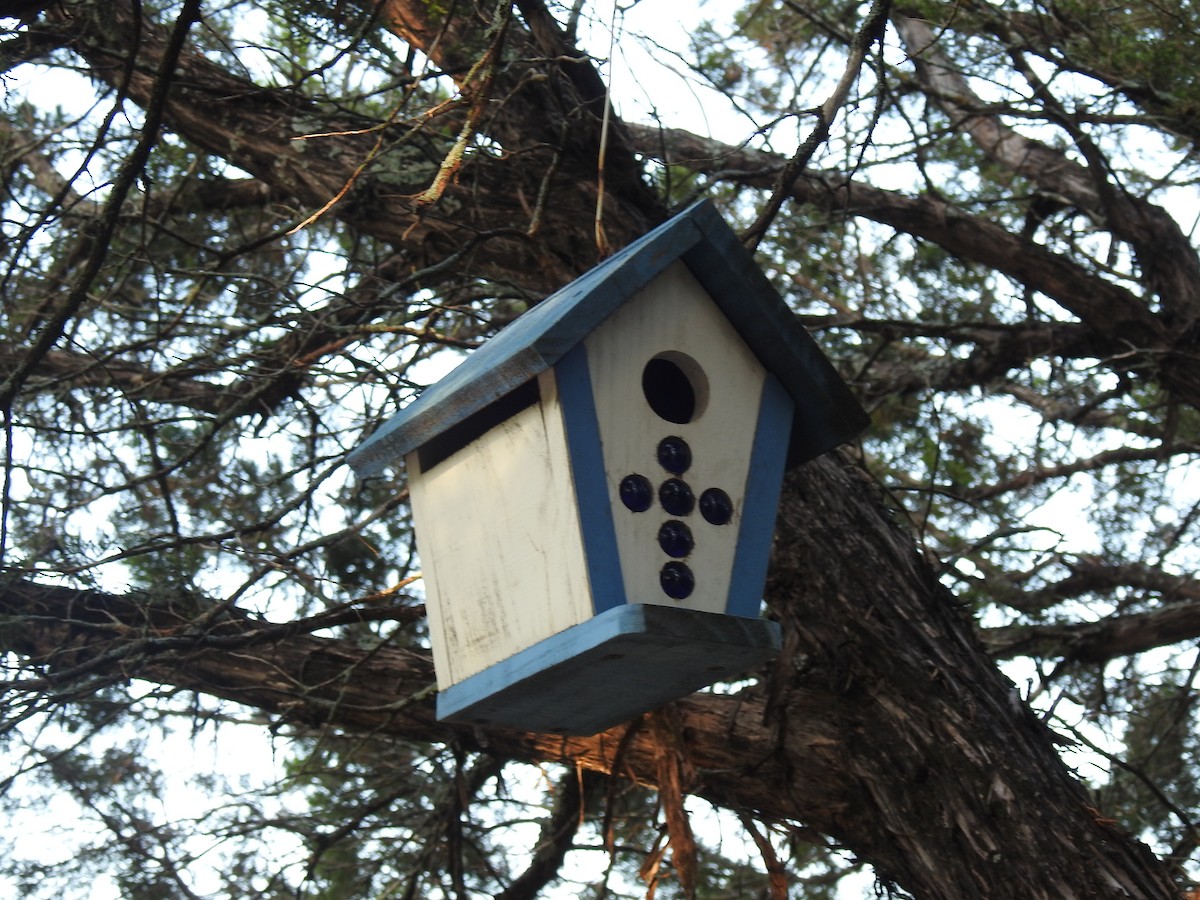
591, 483
763, 485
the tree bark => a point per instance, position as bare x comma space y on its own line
370, 179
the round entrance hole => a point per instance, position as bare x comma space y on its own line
675, 387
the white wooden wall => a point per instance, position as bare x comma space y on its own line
509, 568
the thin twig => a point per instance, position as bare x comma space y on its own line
871, 31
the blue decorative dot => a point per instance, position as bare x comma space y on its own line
675, 538
674, 455
636, 492
677, 580
716, 507
676, 497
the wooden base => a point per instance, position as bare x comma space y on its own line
616, 665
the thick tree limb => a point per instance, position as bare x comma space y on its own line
69, 369
549, 96
18, 146
1065, 39
1079, 413
315, 682
157, 84
1103, 459
1170, 263
995, 352
1099, 642
882, 712
1092, 575
488, 209
242, 123
969, 237
1136, 338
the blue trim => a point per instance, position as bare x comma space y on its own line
768, 458
605, 671
530, 345
826, 412
591, 484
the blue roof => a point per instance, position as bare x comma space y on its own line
826, 412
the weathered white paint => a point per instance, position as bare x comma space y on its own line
673, 314
506, 566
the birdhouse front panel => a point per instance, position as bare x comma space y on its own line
679, 401
509, 567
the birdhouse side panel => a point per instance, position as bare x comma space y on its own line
500, 544
677, 395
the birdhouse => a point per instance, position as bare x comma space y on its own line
594, 490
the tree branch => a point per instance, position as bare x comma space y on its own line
70, 369
866, 684
1091, 575
1133, 337
1099, 642
1168, 259
969, 237
871, 30
256, 129
157, 88
557, 837
1117, 456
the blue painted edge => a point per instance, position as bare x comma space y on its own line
827, 413
768, 458
527, 347
609, 669
591, 488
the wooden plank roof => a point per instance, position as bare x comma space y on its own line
826, 412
